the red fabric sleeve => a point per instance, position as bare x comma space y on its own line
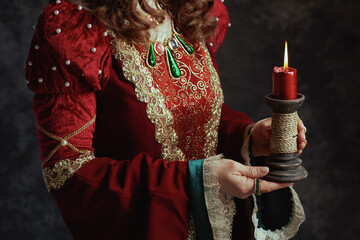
105, 198
108, 198
231, 132
70, 44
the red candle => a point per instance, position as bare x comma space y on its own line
285, 80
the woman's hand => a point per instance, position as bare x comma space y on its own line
238, 180
260, 138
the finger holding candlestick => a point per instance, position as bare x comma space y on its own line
284, 162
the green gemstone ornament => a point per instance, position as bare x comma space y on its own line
173, 67
151, 56
185, 45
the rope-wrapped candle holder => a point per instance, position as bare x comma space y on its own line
284, 132
284, 162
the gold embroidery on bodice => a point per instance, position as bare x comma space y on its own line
186, 111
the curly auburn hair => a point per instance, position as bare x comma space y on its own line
190, 17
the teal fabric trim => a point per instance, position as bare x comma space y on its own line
202, 222
258, 214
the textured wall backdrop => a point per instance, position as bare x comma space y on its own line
324, 46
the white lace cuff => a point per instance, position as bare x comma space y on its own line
220, 207
286, 232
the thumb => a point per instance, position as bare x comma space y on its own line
254, 172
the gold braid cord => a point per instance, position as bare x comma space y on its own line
64, 141
56, 176
284, 133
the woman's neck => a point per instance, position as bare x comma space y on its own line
163, 30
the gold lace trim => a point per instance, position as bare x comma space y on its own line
211, 127
56, 176
190, 98
192, 229
286, 232
220, 207
64, 141
157, 111
147, 92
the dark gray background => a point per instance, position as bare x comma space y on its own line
324, 46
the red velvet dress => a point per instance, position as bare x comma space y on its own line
94, 94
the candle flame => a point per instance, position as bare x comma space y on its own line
286, 60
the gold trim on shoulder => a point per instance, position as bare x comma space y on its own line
211, 127
147, 92
56, 176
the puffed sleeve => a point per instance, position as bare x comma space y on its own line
68, 44
98, 197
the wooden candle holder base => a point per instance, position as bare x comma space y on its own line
284, 163
285, 168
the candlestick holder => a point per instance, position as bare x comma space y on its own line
284, 162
